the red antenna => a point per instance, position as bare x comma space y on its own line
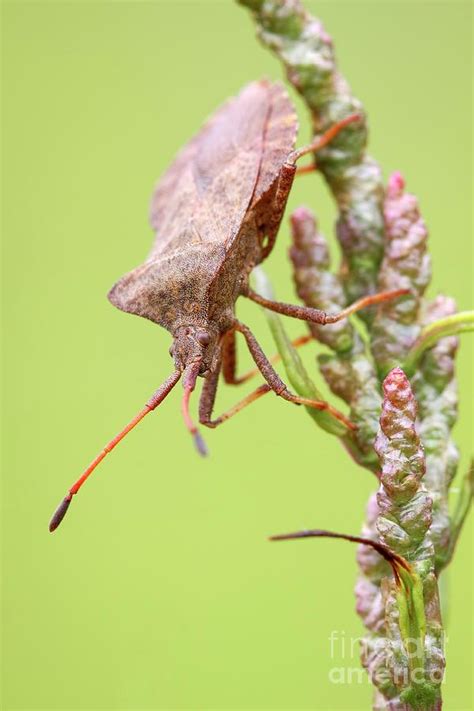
152, 403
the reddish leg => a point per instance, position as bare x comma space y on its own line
305, 169
321, 141
205, 418
277, 384
229, 358
306, 313
286, 177
208, 396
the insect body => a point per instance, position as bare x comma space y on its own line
212, 212
216, 214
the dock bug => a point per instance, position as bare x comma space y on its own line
215, 214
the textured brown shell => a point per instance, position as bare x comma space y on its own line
201, 204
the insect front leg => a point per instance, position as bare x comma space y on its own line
229, 358
277, 384
208, 397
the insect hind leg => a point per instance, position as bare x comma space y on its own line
322, 140
287, 174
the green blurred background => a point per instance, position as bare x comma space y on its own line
160, 591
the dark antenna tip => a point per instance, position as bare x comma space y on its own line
290, 536
60, 513
200, 444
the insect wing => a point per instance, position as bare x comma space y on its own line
280, 138
204, 195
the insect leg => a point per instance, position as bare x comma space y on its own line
205, 418
229, 358
287, 175
306, 313
305, 169
277, 384
321, 141
206, 403
208, 396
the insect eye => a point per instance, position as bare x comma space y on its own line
171, 351
203, 338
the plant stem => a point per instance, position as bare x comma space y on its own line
464, 503
306, 50
462, 322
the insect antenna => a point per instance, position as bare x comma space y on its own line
189, 383
152, 403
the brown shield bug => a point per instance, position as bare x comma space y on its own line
215, 214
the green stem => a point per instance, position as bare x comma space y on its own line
462, 322
463, 506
